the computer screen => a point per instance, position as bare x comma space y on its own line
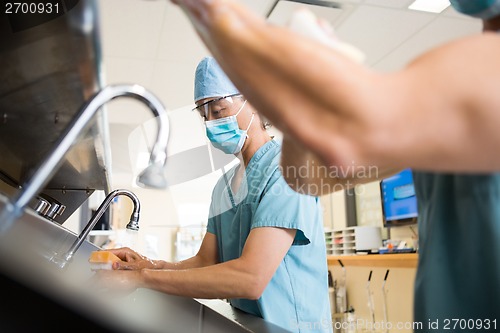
399, 202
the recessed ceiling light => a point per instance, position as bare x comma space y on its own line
433, 6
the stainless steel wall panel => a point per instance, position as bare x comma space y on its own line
48, 71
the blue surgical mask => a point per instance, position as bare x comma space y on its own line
226, 135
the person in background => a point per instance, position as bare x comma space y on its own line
439, 116
264, 249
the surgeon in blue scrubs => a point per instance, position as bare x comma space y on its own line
264, 249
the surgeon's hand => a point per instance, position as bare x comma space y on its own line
131, 260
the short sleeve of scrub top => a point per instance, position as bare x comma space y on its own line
282, 207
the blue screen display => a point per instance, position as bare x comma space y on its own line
398, 197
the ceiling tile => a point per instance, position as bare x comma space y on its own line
131, 28
119, 70
436, 33
179, 51
173, 82
178, 41
377, 31
389, 3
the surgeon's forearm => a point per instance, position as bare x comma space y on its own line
227, 280
244, 277
193, 262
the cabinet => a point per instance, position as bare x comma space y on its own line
340, 242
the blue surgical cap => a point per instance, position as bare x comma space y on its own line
483, 9
211, 81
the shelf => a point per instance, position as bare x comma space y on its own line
401, 260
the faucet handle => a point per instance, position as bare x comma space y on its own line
56, 208
48, 207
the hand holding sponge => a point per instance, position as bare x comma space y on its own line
102, 260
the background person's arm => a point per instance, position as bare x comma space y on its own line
245, 277
440, 113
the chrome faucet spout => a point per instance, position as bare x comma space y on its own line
49, 166
133, 224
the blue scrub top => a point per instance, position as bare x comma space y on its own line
296, 298
457, 286
458, 274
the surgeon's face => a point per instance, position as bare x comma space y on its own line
219, 107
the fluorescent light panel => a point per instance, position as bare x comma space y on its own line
433, 6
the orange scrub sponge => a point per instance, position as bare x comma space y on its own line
102, 260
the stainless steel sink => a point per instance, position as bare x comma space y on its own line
26, 251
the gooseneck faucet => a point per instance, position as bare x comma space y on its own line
152, 176
132, 225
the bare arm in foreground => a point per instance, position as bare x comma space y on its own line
443, 108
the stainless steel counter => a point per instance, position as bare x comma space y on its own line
26, 251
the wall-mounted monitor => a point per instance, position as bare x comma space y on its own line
399, 202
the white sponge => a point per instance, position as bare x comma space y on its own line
95, 266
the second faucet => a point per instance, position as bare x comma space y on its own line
133, 224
